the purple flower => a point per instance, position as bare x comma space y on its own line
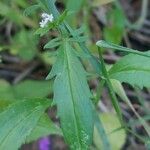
44, 144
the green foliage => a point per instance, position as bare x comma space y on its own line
115, 31
12, 94
14, 15
28, 11
51, 25
40, 89
118, 88
53, 43
22, 115
101, 133
25, 89
132, 69
73, 6
43, 128
111, 123
71, 80
25, 45
104, 44
6, 92
18, 120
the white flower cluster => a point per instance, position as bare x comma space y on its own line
45, 19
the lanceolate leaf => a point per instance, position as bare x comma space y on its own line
18, 120
101, 131
132, 69
72, 96
104, 44
53, 43
31, 10
120, 91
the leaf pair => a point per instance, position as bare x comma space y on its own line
18, 121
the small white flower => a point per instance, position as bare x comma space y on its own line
45, 19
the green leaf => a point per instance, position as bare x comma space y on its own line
99, 129
52, 43
22, 4
79, 39
51, 25
25, 89
18, 120
43, 128
14, 15
6, 92
31, 9
62, 17
111, 123
25, 45
113, 34
120, 91
132, 69
104, 44
4, 104
43, 4
92, 59
69, 86
43, 31
115, 30
57, 67
72, 5
95, 63
80, 30
32, 89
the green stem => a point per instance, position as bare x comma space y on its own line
110, 88
52, 9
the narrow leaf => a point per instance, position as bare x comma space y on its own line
28, 11
104, 44
43, 31
53, 43
120, 91
101, 131
79, 39
74, 107
92, 59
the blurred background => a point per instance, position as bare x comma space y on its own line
24, 64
